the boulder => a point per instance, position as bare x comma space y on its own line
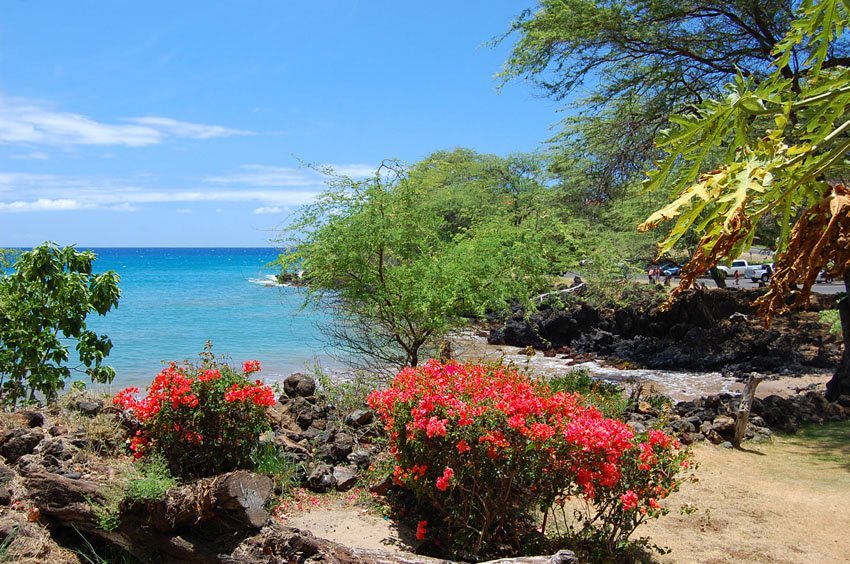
345, 476
343, 445
321, 478
299, 385
359, 418
19, 442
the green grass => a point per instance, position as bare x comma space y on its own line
271, 460
828, 442
150, 481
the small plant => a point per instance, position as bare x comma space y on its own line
271, 460
604, 396
348, 394
108, 512
203, 420
151, 480
831, 319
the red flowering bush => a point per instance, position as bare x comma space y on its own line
485, 447
203, 420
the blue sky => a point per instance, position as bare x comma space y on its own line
186, 123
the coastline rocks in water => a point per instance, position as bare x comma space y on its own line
704, 330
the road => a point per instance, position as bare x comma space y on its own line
746, 283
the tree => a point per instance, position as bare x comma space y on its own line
784, 144
44, 303
402, 257
642, 60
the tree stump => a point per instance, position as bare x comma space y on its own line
744, 409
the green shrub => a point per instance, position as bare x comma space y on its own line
44, 303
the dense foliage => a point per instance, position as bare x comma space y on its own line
774, 148
44, 302
485, 447
203, 420
402, 257
640, 61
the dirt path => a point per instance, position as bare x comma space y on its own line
783, 502
780, 502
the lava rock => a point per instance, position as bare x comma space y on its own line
88, 407
722, 424
32, 418
299, 385
360, 457
345, 476
19, 442
359, 418
343, 445
321, 479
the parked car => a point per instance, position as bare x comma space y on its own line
759, 273
740, 266
671, 269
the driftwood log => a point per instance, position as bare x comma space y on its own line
220, 519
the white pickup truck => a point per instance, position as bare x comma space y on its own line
740, 266
759, 273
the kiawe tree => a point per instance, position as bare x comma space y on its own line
44, 303
402, 257
635, 62
783, 143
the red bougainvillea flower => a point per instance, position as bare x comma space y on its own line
629, 500
251, 366
421, 529
443, 481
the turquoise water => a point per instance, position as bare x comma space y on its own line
174, 300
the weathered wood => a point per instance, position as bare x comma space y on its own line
744, 409
193, 523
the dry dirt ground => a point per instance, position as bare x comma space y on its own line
787, 501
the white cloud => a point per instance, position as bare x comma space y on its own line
186, 129
269, 209
42, 204
20, 192
33, 156
24, 121
263, 175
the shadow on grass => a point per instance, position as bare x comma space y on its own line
829, 442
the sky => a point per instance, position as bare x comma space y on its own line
181, 124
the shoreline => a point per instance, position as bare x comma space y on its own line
679, 385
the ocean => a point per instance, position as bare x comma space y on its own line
175, 300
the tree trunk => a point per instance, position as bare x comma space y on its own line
840, 383
718, 277
744, 409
